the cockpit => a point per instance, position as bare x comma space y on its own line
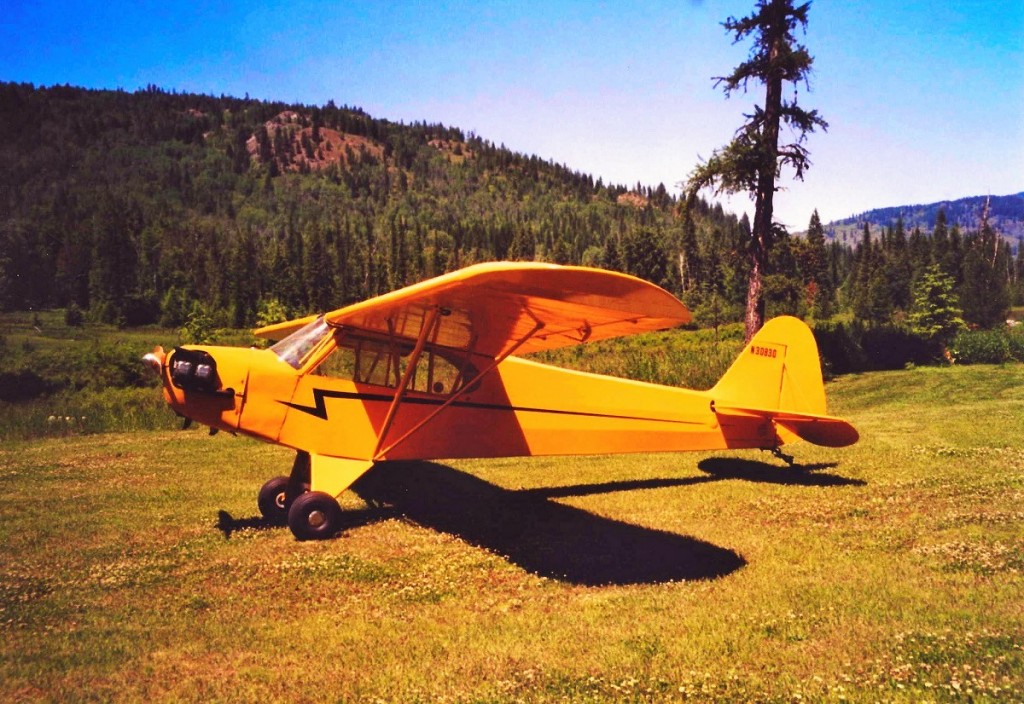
368, 357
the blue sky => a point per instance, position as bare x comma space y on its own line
925, 99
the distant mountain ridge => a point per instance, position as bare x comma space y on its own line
1006, 216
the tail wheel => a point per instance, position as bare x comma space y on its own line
273, 500
314, 516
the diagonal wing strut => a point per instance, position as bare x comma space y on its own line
410, 367
380, 453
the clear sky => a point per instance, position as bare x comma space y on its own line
925, 98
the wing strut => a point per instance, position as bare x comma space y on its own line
538, 325
410, 368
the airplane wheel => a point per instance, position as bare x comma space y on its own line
314, 516
273, 500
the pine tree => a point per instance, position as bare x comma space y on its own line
113, 262
859, 279
898, 270
1018, 274
936, 313
522, 246
817, 280
940, 244
919, 250
752, 162
984, 291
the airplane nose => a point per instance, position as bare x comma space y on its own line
196, 370
206, 384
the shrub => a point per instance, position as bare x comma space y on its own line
88, 411
846, 349
139, 310
839, 348
891, 347
270, 311
199, 327
986, 347
22, 385
1015, 336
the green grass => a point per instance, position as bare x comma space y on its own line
134, 568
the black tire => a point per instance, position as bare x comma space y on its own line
314, 516
273, 500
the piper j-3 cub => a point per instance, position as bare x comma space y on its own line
430, 372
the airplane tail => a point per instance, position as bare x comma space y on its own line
778, 377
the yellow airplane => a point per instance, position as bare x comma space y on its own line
430, 372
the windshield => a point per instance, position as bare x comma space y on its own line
296, 347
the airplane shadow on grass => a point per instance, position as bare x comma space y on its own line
550, 539
541, 536
718, 468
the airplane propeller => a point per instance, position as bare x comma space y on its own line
155, 359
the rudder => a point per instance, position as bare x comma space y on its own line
778, 369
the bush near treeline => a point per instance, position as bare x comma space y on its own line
855, 347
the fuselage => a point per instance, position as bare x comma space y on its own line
520, 408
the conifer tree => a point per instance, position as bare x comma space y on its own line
1018, 274
941, 252
818, 281
984, 293
936, 313
752, 161
898, 269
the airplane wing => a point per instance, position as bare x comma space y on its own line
491, 308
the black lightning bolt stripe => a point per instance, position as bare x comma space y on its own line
320, 396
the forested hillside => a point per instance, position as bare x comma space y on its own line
1006, 215
156, 207
141, 206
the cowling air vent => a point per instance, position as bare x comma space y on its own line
194, 370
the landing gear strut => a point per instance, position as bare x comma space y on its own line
311, 515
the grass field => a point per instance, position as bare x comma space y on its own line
134, 568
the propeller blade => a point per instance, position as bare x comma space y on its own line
155, 359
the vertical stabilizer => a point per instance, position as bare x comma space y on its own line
778, 370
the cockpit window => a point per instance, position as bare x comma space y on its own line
295, 348
383, 362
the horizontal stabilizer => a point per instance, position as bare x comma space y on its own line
826, 431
